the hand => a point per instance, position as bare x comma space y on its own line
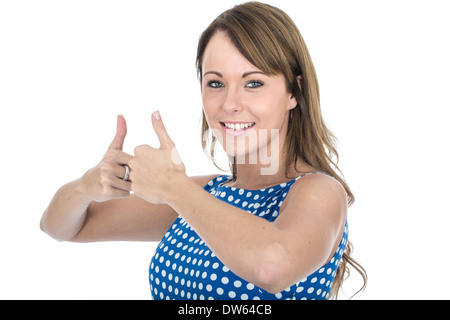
104, 182
155, 171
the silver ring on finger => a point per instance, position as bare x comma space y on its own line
126, 177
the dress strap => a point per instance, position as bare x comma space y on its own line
307, 174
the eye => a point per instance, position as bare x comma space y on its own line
215, 84
254, 84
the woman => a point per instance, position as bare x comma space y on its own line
276, 228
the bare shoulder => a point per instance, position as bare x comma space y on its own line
315, 211
318, 195
318, 187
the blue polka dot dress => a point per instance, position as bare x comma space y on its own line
184, 268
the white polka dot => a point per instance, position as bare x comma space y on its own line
225, 280
209, 288
244, 297
310, 290
219, 291
213, 277
230, 198
237, 283
232, 294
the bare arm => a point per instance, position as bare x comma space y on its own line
71, 216
99, 207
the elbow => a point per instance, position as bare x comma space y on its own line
271, 273
51, 234
43, 225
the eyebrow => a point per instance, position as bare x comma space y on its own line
246, 74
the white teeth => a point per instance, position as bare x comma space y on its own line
238, 126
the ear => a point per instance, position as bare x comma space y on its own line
293, 100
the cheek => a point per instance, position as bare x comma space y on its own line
211, 105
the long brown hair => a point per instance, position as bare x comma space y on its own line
269, 39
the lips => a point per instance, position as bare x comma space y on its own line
236, 128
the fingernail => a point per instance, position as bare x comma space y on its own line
157, 115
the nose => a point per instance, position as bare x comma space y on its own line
232, 103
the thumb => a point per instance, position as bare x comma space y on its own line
121, 133
160, 130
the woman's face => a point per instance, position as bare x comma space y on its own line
245, 108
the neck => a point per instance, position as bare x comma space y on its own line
270, 169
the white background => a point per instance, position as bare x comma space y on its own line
67, 68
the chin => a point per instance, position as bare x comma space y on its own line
245, 151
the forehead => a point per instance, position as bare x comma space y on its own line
221, 53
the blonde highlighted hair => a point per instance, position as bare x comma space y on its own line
269, 39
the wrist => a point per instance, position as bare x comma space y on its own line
181, 185
82, 189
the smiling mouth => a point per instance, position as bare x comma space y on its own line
238, 126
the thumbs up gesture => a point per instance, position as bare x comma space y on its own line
154, 171
105, 181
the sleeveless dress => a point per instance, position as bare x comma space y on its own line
184, 268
